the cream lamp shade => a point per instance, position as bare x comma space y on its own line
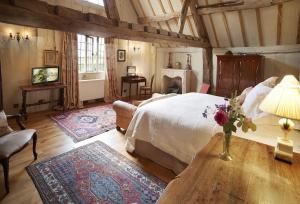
284, 99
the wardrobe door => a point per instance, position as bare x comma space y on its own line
250, 72
226, 75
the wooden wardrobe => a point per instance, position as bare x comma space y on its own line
237, 72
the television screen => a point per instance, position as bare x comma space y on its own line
42, 75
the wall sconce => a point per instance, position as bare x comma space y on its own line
18, 36
136, 48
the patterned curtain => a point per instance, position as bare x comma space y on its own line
111, 87
69, 71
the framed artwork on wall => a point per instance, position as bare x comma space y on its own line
121, 55
51, 58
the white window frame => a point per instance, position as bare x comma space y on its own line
93, 55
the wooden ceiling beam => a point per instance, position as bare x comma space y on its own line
24, 12
206, 11
259, 27
243, 30
182, 18
111, 9
247, 5
298, 35
201, 30
279, 22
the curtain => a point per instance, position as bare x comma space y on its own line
69, 71
111, 87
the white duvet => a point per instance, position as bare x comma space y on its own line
175, 125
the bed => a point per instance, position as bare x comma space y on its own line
172, 130
174, 126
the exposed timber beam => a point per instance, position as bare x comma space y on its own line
201, 30
183, 16
279, 22
259, 27
25, 13
161, 17
298, 35
247, 5
111, 9
241, 20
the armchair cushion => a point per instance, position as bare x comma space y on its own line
4, 127
14, 141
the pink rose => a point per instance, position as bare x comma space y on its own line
221, 118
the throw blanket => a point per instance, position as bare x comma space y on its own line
174, 124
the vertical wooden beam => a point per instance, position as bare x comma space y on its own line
241, 20
298, 35
183, 13
111, 9
279, 22
207, 66
260, 34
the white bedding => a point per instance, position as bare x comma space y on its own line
175, 125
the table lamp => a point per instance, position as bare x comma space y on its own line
284, 101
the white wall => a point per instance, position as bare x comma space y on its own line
278, 61
17, 60
143, 58
180, 55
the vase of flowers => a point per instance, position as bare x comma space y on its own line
230, 116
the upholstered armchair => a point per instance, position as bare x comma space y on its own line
14, 142
124, 113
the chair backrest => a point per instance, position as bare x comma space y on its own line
204, 88
151, 82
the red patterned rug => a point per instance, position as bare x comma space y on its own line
94, 173
85, 123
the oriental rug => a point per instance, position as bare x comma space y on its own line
94, 173
86, 123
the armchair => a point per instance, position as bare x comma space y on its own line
13, 143
124, 113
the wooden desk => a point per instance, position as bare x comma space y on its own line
252, 177
35, 88
132, 80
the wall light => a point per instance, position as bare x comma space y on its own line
18, 36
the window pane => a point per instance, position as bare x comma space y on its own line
91, 54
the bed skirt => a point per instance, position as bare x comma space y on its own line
147, 150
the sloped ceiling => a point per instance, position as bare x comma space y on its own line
268, 26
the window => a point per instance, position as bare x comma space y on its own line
91, 54
99, 2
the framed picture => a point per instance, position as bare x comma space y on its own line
121, 55
51, 58
131, 70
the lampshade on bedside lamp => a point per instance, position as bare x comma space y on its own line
284, 101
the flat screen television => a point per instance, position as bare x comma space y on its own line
44, 75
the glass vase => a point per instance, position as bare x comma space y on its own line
225, 155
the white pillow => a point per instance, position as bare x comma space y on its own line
270, 82
254, 99
242, 97
156, 97
4, 128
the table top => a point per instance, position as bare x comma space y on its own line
133, 79
29, 88
254, 176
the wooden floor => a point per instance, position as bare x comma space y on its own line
53, 141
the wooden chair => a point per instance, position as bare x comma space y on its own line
13, 143
204, 88
147, 90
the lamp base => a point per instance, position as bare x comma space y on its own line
284, 150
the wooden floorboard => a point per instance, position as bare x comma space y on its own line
53, 141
